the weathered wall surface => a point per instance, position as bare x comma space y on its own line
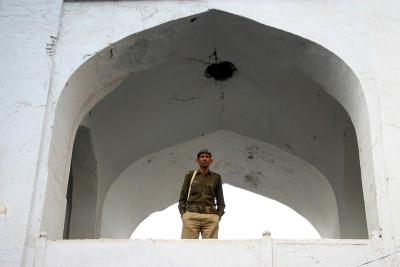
27, 44
386, 37
251, 253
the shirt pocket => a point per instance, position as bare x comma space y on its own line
196, 189
210, 188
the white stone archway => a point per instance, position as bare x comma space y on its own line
154, 181
269, 51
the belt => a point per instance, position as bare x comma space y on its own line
202, 209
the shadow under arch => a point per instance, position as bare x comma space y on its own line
80, 219
174, 42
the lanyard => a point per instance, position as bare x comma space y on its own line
190, 186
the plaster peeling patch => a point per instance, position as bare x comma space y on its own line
252, 179
313, 259
251, 152
138, 51
3, 210
220, 71
51, 45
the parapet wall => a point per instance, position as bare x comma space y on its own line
216, 253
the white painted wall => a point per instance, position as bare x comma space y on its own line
264, 252
26, 50
386, 39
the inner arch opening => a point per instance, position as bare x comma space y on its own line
247, 217
269, 172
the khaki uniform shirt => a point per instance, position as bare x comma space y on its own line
205, 194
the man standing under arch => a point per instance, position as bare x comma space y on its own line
201, 202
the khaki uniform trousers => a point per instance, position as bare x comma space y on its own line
195, 223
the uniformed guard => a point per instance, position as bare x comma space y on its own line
201, 202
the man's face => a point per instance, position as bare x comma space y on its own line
204, 160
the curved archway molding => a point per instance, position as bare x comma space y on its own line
173, 42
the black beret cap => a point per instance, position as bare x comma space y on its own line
203, 151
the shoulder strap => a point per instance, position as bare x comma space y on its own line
190, 185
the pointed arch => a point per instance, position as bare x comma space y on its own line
257, 50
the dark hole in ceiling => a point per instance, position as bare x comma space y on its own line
220, 71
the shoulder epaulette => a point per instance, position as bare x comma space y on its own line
215, 173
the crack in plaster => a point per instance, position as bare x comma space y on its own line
196, 60
221, 97
146, 13
183, 99
174, 98
393, 126
255, 84
88, 55
381, 258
